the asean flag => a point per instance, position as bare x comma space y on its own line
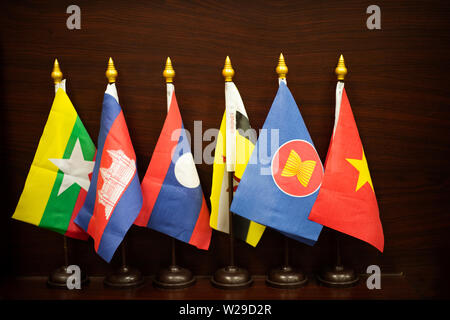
173, 198
283, 175
114, 198
346, 201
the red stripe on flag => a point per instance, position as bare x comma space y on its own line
201, 236
160, 162
117, 138
73, 230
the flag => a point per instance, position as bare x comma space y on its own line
114, 198
173, 198
58, 179
347, 201
243, 228
278, 189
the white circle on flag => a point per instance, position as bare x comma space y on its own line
185, 171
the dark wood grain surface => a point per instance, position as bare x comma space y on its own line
34, 288
398, 85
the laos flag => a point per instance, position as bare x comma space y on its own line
173, 198
114, 198
284, 174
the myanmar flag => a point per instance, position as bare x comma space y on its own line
58, 180
346, 201
243, 228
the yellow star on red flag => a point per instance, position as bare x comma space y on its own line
363, 168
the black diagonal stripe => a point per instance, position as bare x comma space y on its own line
240, 227
243, 125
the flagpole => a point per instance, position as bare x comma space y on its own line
231, 276
173, 276
337, 275
174, 256
125, 276
66, 252
286, 251
230, 218
338, 250
285, 276
58, 278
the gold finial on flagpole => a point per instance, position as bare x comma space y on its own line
282, 68
56, 72
111, 72
228, 71
169, 72
341, 70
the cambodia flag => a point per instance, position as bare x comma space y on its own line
173, 198
114, 198
284, 174
347, 200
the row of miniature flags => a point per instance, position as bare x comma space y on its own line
79, 191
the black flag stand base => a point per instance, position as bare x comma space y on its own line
125, 276
338, 276
174, 277
286, 277
231, 277
58, 278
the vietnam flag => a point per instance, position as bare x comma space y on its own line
346, 201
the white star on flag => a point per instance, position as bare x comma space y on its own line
75, 169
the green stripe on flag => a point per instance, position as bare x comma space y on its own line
59, 208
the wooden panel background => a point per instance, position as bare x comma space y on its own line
398, 85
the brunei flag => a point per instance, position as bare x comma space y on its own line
284, 174
243, 228
58, 179
173, 198
114, 198
347, 201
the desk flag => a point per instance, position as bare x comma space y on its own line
346, 200
58, 179
114, 198
279, 190
243, 229
173, 198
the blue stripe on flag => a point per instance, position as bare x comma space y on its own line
110, 110
177, 208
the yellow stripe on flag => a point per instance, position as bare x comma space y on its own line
219, 197
42, 175
218, 176
244, 149
255, 232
